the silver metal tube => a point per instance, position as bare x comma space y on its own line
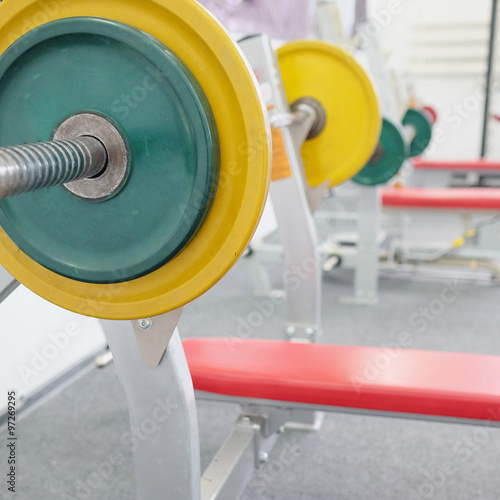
36, 166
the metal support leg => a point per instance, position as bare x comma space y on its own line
163, 418
366, 268
329, 23
292, 202
302, 264
366, 281
255, 434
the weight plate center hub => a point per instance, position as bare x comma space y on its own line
108, 182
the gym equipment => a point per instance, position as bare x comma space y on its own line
431, 114
477, 246
482, 165
472, 245
158, 372
360, 249
389, 156
76, 137
445, 173
386, 161
296, 192
324, 162
393, 150
361, 252
437, 385
262, 377
329, 75
467, 199
195, 133
420, 131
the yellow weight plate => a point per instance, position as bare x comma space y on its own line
330, 75
216, 62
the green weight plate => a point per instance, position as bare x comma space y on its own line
388, 158
99, 66
419, 121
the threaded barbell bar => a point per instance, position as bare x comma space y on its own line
36, 166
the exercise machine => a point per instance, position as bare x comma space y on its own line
128, 213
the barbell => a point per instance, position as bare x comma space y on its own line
330, 75
135, 148
397, 143
167, 83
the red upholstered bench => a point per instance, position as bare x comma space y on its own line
478, 165
420, 383
480, 199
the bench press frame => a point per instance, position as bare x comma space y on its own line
158, 386
439, 173
363, 256
483, 249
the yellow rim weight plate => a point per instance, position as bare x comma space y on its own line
331, 76
216, 62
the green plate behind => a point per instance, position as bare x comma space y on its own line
388, 160
418, 120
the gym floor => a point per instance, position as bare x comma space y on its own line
84, 428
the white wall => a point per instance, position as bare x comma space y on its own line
443, 46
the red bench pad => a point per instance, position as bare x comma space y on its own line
481, 165
371, 378
442, 198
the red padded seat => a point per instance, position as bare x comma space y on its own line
442, 198
469, 165
371, 378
